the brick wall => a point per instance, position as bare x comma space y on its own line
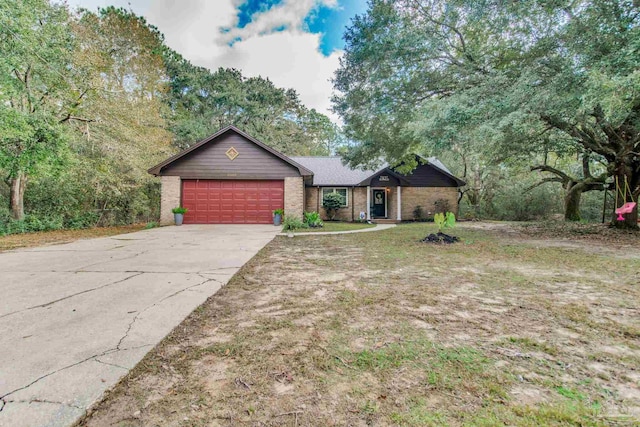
357, 203
169, 198
294, 197
426, 197
411, 197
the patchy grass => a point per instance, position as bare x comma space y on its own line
381, 329
337, 226
27, 240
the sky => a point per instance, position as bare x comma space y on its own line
295, 43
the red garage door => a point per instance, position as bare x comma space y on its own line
231, 202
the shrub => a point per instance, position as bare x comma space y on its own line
278, 212
293, 224
31, 224
151, 224
179, 210
444, 221
82, 220
312, 219
418, 213
332, 202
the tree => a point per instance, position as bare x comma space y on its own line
35, 90
122, 131
201, 102
520, 79
332, 202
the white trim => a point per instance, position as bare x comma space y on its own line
386, 200
368, 203
346, 197
399, 202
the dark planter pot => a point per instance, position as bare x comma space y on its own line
178, 218
277, 219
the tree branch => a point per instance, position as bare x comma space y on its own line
544, 181
564, 178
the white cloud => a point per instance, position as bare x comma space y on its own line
289, 15
290, 58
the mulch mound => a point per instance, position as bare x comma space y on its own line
440, 238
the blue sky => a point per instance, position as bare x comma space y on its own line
327, 21
295, 43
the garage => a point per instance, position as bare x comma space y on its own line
231, 201
231, 178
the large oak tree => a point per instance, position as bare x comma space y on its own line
513, 79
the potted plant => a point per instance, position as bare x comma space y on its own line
178, 214
277, 216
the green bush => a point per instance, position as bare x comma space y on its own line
31, 224
293, 224
444, 221
332, 202
150, 225
82, 220
312, 219
179, 210
418, 213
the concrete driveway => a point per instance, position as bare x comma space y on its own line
75, 318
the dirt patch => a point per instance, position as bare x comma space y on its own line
380, 329
28, 240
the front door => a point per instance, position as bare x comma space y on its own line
379, 208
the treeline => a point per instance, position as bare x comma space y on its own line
90, 100
548, 87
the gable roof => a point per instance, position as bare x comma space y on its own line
331, 171
158, 168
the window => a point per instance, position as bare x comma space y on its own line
341, 191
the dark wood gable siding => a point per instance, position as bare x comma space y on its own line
211, 162
391, 182
428, 176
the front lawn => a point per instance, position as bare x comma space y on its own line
381, 329
337, 226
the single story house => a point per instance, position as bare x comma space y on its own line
231, 177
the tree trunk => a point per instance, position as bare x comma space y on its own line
16, 199
572, 202
631, 219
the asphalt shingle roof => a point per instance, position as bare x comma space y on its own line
328, 171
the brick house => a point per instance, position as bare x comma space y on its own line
230, 177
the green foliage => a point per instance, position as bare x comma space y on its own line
313, 220
418, 213
30, 224
278, 212
179, 210
332, 202
444, 221
202, 102
561, 82
292, 224
151, 224
82, 220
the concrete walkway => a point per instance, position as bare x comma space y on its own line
75, 318
378, 227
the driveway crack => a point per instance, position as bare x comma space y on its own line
137, 316
111, 364
51, 402
71, 296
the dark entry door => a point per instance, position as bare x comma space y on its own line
379, 200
